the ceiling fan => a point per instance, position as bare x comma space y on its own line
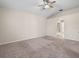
47, 4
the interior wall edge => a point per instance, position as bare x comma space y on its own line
3, 43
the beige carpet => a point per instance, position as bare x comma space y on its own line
44, 47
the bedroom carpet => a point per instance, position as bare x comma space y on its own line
43, 47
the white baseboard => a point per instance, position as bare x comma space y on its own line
33, 38
55, 36
72, 39
19, 40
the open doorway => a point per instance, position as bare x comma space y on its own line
60, 28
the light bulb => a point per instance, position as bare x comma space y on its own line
47, 6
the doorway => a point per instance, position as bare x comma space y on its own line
60, 28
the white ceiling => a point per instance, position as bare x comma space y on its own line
32, 6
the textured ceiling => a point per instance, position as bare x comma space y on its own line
32, 6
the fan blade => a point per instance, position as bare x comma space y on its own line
44, 0
51, 6
43, 8
61, 10
53, 2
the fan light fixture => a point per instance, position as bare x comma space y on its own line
47, 4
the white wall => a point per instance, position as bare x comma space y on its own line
71, 20
51, 28
72, 26
16, 26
